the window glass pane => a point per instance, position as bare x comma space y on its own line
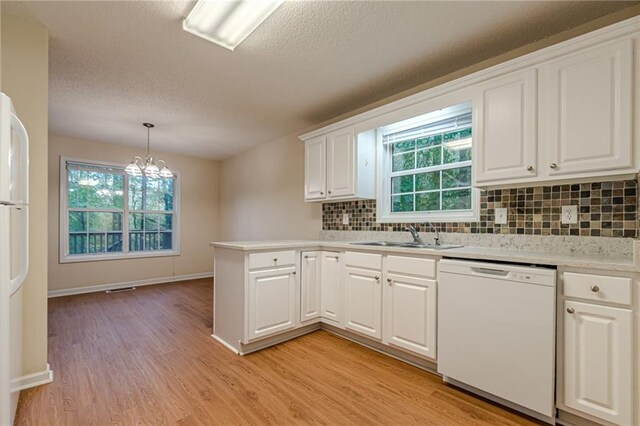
136, 241
457, 134
456, 155
428, 141
402, 184
77, 221
402, 203
151, 241
135, 192
429, 157
455, 178
165, 222
428, 201
114, 242
403, 146
428, 181
135, 221
458, 199
151, 222
88, 189
105, 222
97, 243
404, 161
165, 241
77, 243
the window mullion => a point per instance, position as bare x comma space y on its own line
125, 218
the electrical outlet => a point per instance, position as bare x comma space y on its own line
570, 214
501, 216
345, 219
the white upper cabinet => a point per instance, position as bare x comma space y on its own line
506, 146
340, 166
587, 111
315, 168
341, 180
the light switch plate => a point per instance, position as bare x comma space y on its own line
501, 216
345, 219
570, 214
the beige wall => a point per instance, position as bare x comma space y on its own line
25, 67
199, 201
262, 194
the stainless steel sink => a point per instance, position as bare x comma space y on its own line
406, 245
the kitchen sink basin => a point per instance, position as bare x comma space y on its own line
406, 245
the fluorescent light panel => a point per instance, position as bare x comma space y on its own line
227, 22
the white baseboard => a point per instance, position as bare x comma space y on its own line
32, 380
138, 283
225, 344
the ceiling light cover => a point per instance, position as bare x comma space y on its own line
227, 22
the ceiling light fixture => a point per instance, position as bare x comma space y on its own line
148, 167
228, 22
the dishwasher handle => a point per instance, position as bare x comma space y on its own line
490, 271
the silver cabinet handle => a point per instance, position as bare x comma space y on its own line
595, 288
377, 278
553, 166
571, 310
530, 168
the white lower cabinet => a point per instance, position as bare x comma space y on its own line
310, 285
331, 294
598, 362
363, 301
410, 314
271, 302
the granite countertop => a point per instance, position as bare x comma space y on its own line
578, 260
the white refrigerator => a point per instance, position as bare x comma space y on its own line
14, 249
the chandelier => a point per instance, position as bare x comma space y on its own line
148, 167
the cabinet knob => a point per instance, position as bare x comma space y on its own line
553, 166
337, 257
306, 257
530, 168
377, 278
275, 259
321, 193
294, 272
328, 192
571, 310
389, 280
595, 288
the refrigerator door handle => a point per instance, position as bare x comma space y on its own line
21, 131
23, 251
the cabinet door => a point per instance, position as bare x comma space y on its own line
597, 361
587, 115
363, 301
506, 144
410, 314
331, 280
310, 286
272, 302
315, 169
340, 165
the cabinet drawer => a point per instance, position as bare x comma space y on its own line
598, 287
363, 260
412, 265
271, 259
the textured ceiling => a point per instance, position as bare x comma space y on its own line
114, 65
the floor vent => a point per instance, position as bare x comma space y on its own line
120, 290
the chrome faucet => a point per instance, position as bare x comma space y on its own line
414, 234
433, 228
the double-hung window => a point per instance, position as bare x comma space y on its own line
107, 214
426, 168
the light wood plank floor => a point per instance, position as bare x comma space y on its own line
146, 357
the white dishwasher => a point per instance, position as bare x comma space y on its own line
496, 332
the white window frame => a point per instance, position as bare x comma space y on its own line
383, 203
65, 257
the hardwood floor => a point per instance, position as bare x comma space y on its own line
146, 356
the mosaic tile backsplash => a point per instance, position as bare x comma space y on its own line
605, 209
